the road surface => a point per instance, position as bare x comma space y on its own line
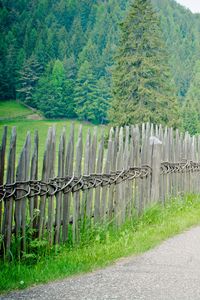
170, 271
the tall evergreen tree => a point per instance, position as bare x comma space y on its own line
143, 89
54, 92
86, 94
28, 78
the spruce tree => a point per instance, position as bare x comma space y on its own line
28, 78
143, 89
91, 96
54, 92
85, 92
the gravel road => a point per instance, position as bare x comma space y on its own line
170, 271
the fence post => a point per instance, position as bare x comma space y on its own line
156, 151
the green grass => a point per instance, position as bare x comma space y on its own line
105, 245
23, 126
12, 110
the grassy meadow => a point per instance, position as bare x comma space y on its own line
13, 110
18, 118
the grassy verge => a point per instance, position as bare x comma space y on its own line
105, 245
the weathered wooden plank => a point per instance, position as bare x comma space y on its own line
113, 190
45, 177
27, 156
119, 214
166, 159
87, 158
131, 183
76, 196
2, 167
92, 169
112, 168
50, 224
127, 184
99, 171
33, 202
156, 146
61, 171
181, 159
161, 138
8, 210
141, 182
147, 181
68, 172
20, 176
136, 162
107, 169
185, 149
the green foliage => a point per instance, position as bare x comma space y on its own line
191, 109
143, 89
78, 31
29, 76
181, 33
91, 96
54, 92
104, 245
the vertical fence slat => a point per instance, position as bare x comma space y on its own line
20, 176
45, 177
98, 171
111, 146
61, 166
119, 188
136, 162
51, 175
8, 210
127, 187
92, 169
107, 169
113, 189
33, 202
68, 172
76, 196
85, 195
2, 167
27, 156
156, 147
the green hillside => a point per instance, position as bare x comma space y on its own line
13, 110
14, 114
57, 56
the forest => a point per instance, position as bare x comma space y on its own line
68, 59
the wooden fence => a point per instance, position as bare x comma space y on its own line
124, 173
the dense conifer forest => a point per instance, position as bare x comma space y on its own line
61, 57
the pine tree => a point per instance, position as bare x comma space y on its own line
85, 93
103, 100
54, 92
28, 78
143, 90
